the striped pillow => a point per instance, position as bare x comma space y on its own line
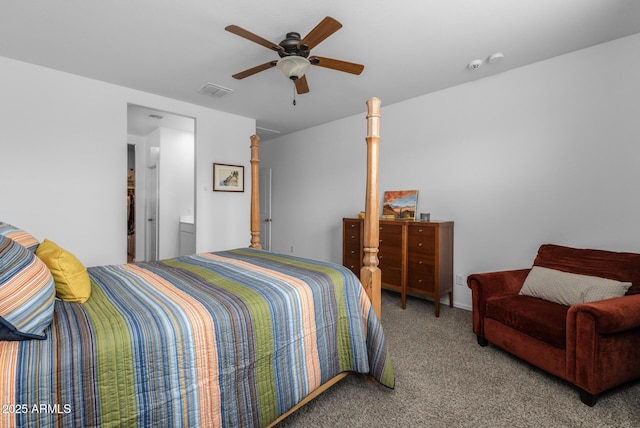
20, 236
26, 293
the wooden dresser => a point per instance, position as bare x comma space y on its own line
415, 257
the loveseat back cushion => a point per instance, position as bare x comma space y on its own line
534, 317
619, 266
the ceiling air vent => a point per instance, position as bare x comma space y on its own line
265, 133
214, 90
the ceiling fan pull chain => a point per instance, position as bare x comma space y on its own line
294, 94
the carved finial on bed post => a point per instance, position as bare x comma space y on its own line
255, 194
370, 274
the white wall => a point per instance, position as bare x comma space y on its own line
176, 187
63, 150
543, 153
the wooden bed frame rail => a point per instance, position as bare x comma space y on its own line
370, 275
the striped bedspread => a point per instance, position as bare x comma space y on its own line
233, 338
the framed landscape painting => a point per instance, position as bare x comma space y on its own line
400, 204
228, 178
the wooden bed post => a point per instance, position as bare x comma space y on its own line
370, 274
255, 194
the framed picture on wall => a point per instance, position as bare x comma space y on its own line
228, 178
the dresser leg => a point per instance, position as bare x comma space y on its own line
437, 303
451, 299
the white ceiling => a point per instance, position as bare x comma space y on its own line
409, 47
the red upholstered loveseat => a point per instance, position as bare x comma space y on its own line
595, 345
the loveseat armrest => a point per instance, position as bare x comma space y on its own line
501, 283
487, 285
611, 315
602, 343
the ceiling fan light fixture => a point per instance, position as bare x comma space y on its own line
293, 66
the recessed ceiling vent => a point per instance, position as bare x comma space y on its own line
265, 133
213, 90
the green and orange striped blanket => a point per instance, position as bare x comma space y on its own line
232, 338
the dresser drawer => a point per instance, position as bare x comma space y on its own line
420, 277
421, 248
390, 237
350, 248
390, 246
389, 257
352, 224
353, 266
351, 231
352, 238
417, 258
423, 231
352, 257
351, 251
391, 278
421, 240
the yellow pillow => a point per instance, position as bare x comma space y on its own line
69, 274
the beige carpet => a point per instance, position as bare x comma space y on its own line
445, 379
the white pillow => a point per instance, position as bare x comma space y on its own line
570, 288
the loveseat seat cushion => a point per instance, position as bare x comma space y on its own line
532, 316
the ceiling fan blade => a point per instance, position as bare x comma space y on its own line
324, 29
302, 87
238, 31
336, 64
254, 70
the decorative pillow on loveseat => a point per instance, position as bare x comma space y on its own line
570, 288
27, 293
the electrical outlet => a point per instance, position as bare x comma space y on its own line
292, 248
459, 279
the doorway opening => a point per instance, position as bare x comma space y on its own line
265, 208
161, 191
131, 203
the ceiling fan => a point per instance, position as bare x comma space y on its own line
294, 53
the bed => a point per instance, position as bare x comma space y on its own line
232, 338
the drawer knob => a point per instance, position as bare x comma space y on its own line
420, 262
420, 230
419, 244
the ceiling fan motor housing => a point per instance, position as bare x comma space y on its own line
290, 45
